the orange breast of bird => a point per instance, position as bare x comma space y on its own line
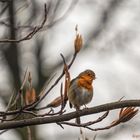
85, 82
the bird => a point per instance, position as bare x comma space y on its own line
80, 91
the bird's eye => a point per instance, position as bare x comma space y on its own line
88, 74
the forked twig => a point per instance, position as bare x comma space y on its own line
53, 85
88, 123
32, 33
78, 43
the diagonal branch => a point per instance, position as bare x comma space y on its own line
55, 83
78, 43
69, 116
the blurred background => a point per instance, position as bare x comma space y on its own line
111, 34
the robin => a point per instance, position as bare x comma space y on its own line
80, 91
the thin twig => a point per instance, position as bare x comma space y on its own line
9, 105
52, 114
53, 85
45, 85
63, 98
3, 131
30, 112
24, 79
21, 88
32, 33
60, 125
34, 104
72, 5
88, 123
10, 101
14, 118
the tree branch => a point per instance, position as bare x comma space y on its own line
69, 116
35, 30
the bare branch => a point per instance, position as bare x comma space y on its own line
32, 33
67, 67
88, 123
15, 117
55, 83
69, 116
56, 21
3, 131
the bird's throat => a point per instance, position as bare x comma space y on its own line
86, 83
